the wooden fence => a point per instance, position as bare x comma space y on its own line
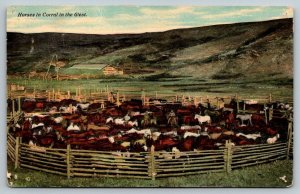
108, 164
148, 165
44, 159
12, 148
249, 155
167, 164
118, 95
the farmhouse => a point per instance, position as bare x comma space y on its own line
89, 66
110, 70
105, 68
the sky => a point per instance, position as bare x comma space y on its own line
134, 19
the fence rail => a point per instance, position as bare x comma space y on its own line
147, 165
118, 94
11, 147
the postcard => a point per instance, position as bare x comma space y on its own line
149, 96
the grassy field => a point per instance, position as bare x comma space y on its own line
170, 85
265, 175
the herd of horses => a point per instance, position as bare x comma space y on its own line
135, 127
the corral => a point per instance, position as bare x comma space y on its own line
153, 163
87, 163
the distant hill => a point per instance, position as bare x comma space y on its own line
241, 50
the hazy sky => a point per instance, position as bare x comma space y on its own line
134, 19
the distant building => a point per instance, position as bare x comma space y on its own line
110, 70
89, 66
105, 68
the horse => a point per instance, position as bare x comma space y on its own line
82, 106
245, 118
73, 127
272, 140
202, 119
133, 123
253, 136
187, 144
119, 121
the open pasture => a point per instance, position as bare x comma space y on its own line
281, 89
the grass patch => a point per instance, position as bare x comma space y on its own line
74, 71
265, 175
223, 76
162, 76
165, 85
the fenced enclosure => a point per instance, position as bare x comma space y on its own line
147, 165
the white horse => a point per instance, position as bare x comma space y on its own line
253, 136
109, 119
73, 127
70, 109
145, 132
37, 125
190, 134
133, 123
134, 113
83, 106
172, 133
111, 139
202, 119
155, 135
119, 121
188, 127
132, 130
176, 152
126, 117
58, 119
245, 118
272, 140
125, 144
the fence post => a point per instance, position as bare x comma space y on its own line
290, 136
108, 96
49, 97
53, 93
68, 158
270, 113
13, 108
118, 99
265, 112
143, 97
228, 156
237, 104
17, 151
19, 104
151, 166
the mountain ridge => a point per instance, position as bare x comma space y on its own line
225, 51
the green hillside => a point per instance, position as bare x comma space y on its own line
242, 51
